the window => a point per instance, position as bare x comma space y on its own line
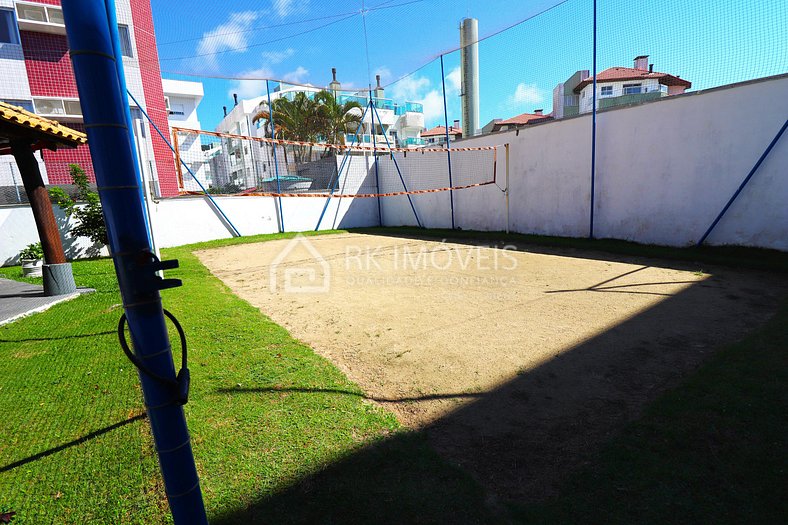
125, 41
571, 100
8, 32
606, 91
40, 13
57, 107
24, 104
632, 89
176, 109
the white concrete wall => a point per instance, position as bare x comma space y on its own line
664, 171
18, 229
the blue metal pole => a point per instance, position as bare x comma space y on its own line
396, 165
335, 183
104, 102
188, 169
744, 182
113, 30
375, 154
448, 142
276, 162
593, 138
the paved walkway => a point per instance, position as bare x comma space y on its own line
21, 299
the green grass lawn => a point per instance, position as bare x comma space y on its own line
76, 448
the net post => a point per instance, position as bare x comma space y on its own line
399, 172
281, 224
177, 149
223, 217
375, 154
448, 143
341, 167
593, 138
507, 186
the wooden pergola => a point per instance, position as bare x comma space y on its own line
21, 134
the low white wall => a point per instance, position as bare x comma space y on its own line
664, 170
18, 229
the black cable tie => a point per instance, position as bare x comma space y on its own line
179, 385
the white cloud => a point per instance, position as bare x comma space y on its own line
229, 36
419, 89
433, 106
453, 80
252, 86
526, 94
285, 8
276, 57
298, 76
410, 88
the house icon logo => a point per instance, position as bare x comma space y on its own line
299, 268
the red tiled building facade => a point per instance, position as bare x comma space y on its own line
37, 74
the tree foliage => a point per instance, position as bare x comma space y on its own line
86, 208
311, 119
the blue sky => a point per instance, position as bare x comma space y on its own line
708, 42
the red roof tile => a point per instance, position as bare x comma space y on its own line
525, 118
628, 73
441, 130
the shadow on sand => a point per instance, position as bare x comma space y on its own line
521, 441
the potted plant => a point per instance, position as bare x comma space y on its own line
32, 260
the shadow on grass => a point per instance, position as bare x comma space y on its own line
524, 439
59, 337
74, 443
398, 480
271, 390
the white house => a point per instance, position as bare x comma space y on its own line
181, 98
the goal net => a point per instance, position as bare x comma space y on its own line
227, 164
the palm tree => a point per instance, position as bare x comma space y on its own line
311, 119
337, 119
297, 119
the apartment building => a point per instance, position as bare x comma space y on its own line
36, 74
616, 86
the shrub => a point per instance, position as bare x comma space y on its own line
91, 221
32, 251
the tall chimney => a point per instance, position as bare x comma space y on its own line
641, 62
651, 68
538, 111
225, 110
334, 86
469, 72
235, 98
379, 93
456, 124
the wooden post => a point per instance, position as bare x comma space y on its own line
39, 201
